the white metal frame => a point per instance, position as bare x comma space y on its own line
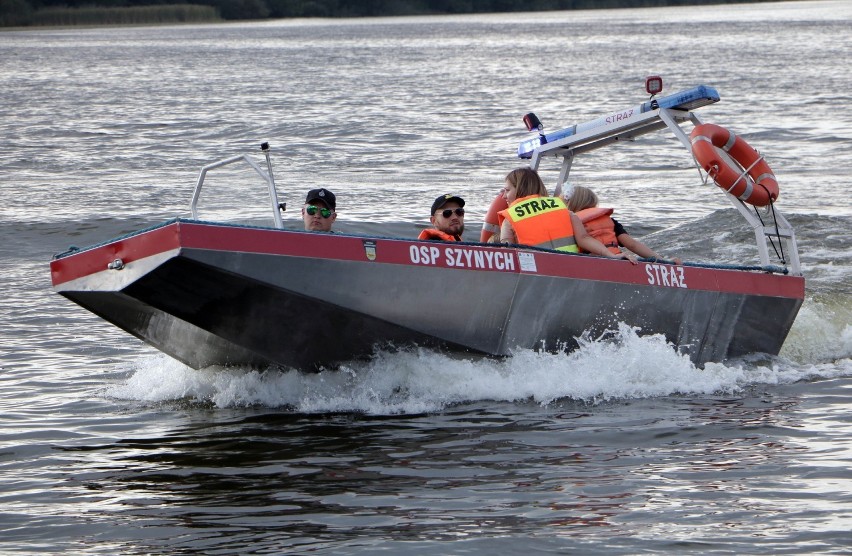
641, 123
266, 175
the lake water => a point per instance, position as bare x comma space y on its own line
622, 447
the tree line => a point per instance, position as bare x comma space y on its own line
57, 12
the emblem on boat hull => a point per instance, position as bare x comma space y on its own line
370, 249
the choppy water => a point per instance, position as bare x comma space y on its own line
622, 447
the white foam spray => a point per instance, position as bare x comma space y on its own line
622, 365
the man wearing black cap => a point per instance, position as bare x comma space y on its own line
448, 219
318, 212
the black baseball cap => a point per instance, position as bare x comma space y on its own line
444, 199
323, 195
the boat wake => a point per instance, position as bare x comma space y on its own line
619, 365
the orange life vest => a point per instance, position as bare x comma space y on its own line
541, 222
433, 234
492, 222
600, 226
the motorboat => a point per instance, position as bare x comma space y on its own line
218, 293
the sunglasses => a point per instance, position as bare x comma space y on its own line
446, 213
312, 210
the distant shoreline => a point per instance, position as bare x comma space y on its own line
113, 16
20, 15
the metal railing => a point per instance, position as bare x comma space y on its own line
626, 131
266, 175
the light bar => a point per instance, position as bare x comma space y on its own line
684, 100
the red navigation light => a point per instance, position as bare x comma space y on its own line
532, 122
653, 84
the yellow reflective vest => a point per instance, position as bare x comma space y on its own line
542, 222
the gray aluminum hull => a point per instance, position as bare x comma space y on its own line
215, 294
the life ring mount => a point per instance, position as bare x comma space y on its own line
749, 178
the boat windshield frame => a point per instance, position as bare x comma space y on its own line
267, 176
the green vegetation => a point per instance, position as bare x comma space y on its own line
127, 12
134, 15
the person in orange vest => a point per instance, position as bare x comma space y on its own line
533, 218
598, 222
447, 219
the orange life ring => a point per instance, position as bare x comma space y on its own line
491, 226
752, 181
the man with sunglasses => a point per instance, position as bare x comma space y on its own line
318, 212
448, 219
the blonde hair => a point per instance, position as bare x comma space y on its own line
527, 182
582, 198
